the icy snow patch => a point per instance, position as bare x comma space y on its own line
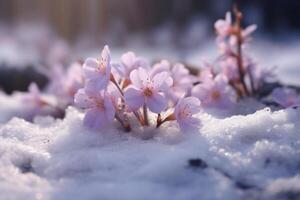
252, 157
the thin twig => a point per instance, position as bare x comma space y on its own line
238, 33
145, 111
125, 124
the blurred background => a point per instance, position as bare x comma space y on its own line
42, 33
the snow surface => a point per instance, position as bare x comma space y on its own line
254, 156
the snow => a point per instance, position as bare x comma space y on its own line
253, 156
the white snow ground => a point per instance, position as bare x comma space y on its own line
255, 156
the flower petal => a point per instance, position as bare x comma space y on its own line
96, 84
134, 98
128, 59
285, 96
82, 100
105, 55
109, 109
157, 102
162, 81
189, 124
200, 91
135, 78
193, 104
162, 66
89, 68
95, 119
143, 74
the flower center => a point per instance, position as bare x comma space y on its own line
100, 105
101, 67
148, 92
215, 95
185, 112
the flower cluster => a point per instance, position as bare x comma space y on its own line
166, 92
244, 75
132, 91
65, 83
131, 88
38, 103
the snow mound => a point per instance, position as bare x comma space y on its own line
252, 157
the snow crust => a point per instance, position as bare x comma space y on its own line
254, 156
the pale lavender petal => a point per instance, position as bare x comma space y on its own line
89, 68
226, 101
162, 81
106, 54
193, 104
135, 78
167, 84
185, 82
228, 18
178, 107
97, 84
128, 59
109, 108
134, 98
221, 81
131, 62
297, 102
143, 74
82, 100
114, 92
206, 74
95, 119
285, 97
189, 124
157, 102
34, 89
179, 70
250, 29
107, 70
141, 62
119, 68
162, 66
200, 91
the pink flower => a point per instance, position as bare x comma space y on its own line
286, 97
215, 92
184, 112
224, 26
229, 68
64, 84
258, 74
74, 79
227, 38
147, 90
97, 72
59, 52
246, 33
182, 82
162, 66
37, 104
34, 96
100, 111
207, 72
130, 62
